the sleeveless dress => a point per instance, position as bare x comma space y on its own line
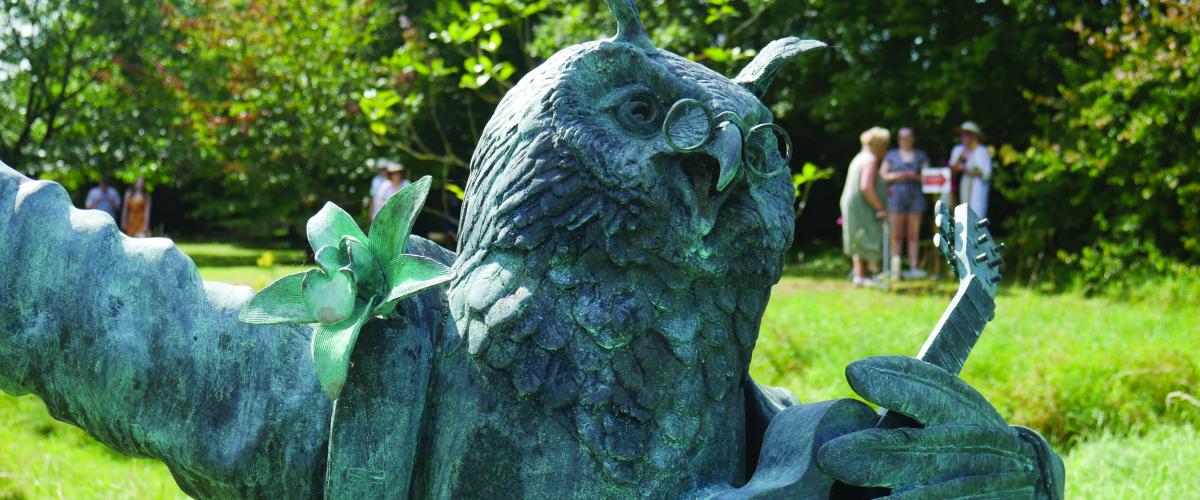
135, 224
862, 232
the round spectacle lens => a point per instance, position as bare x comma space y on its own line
688, 125
760, 137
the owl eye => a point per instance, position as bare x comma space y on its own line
640, 113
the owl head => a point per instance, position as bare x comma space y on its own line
641, 150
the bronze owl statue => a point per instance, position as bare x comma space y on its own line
627, 214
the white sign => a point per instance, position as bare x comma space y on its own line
935, 180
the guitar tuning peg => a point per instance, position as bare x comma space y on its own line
1000, 247
982, 223
937, 240
981, 257
996, 262
995, 279
983, 238
939, 220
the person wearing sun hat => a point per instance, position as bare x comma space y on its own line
377, 182
395, 182
970, 158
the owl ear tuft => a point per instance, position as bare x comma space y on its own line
757, 75
629, 23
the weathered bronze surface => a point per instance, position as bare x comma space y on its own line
623, 226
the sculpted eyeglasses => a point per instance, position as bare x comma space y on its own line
691, 124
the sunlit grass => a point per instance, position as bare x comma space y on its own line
1068, 366
210, 254
43, 458
1095, 375
1106, 381
251, 276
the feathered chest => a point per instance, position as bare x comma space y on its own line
643, 363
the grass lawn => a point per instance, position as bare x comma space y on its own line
1109, 382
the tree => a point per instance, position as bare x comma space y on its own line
269, 89
918, 63
1111, 185
66, 68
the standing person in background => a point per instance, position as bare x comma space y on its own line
862, 206
135, 214
902, 171
377, 182
394, 184
105, 198
971, 159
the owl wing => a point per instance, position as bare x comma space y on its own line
122, 338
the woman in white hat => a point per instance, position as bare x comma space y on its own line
394, 182
971, 159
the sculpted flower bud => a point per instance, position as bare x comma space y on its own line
329, 297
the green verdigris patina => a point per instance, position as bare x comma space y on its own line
623, 226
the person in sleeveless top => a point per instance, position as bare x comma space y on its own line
906, 203
863, 209
135, 212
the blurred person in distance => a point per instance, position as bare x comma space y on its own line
135, 213
395, 182
863, 209
377, 183
970, 158
105, 198
906, 203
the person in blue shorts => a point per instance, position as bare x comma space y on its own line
901, 169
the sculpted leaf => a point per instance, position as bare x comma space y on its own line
331, 258
327, 227
331, 348
280, 302
410, 274
393, 223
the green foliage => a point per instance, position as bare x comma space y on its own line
804, 180
247, 109
1111, 184
83, 83
443, 77
260, 112
269, 92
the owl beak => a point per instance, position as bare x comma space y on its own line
726, 148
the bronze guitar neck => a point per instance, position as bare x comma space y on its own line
960, 327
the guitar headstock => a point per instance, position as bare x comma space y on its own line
965, 241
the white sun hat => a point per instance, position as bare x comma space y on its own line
970, 126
